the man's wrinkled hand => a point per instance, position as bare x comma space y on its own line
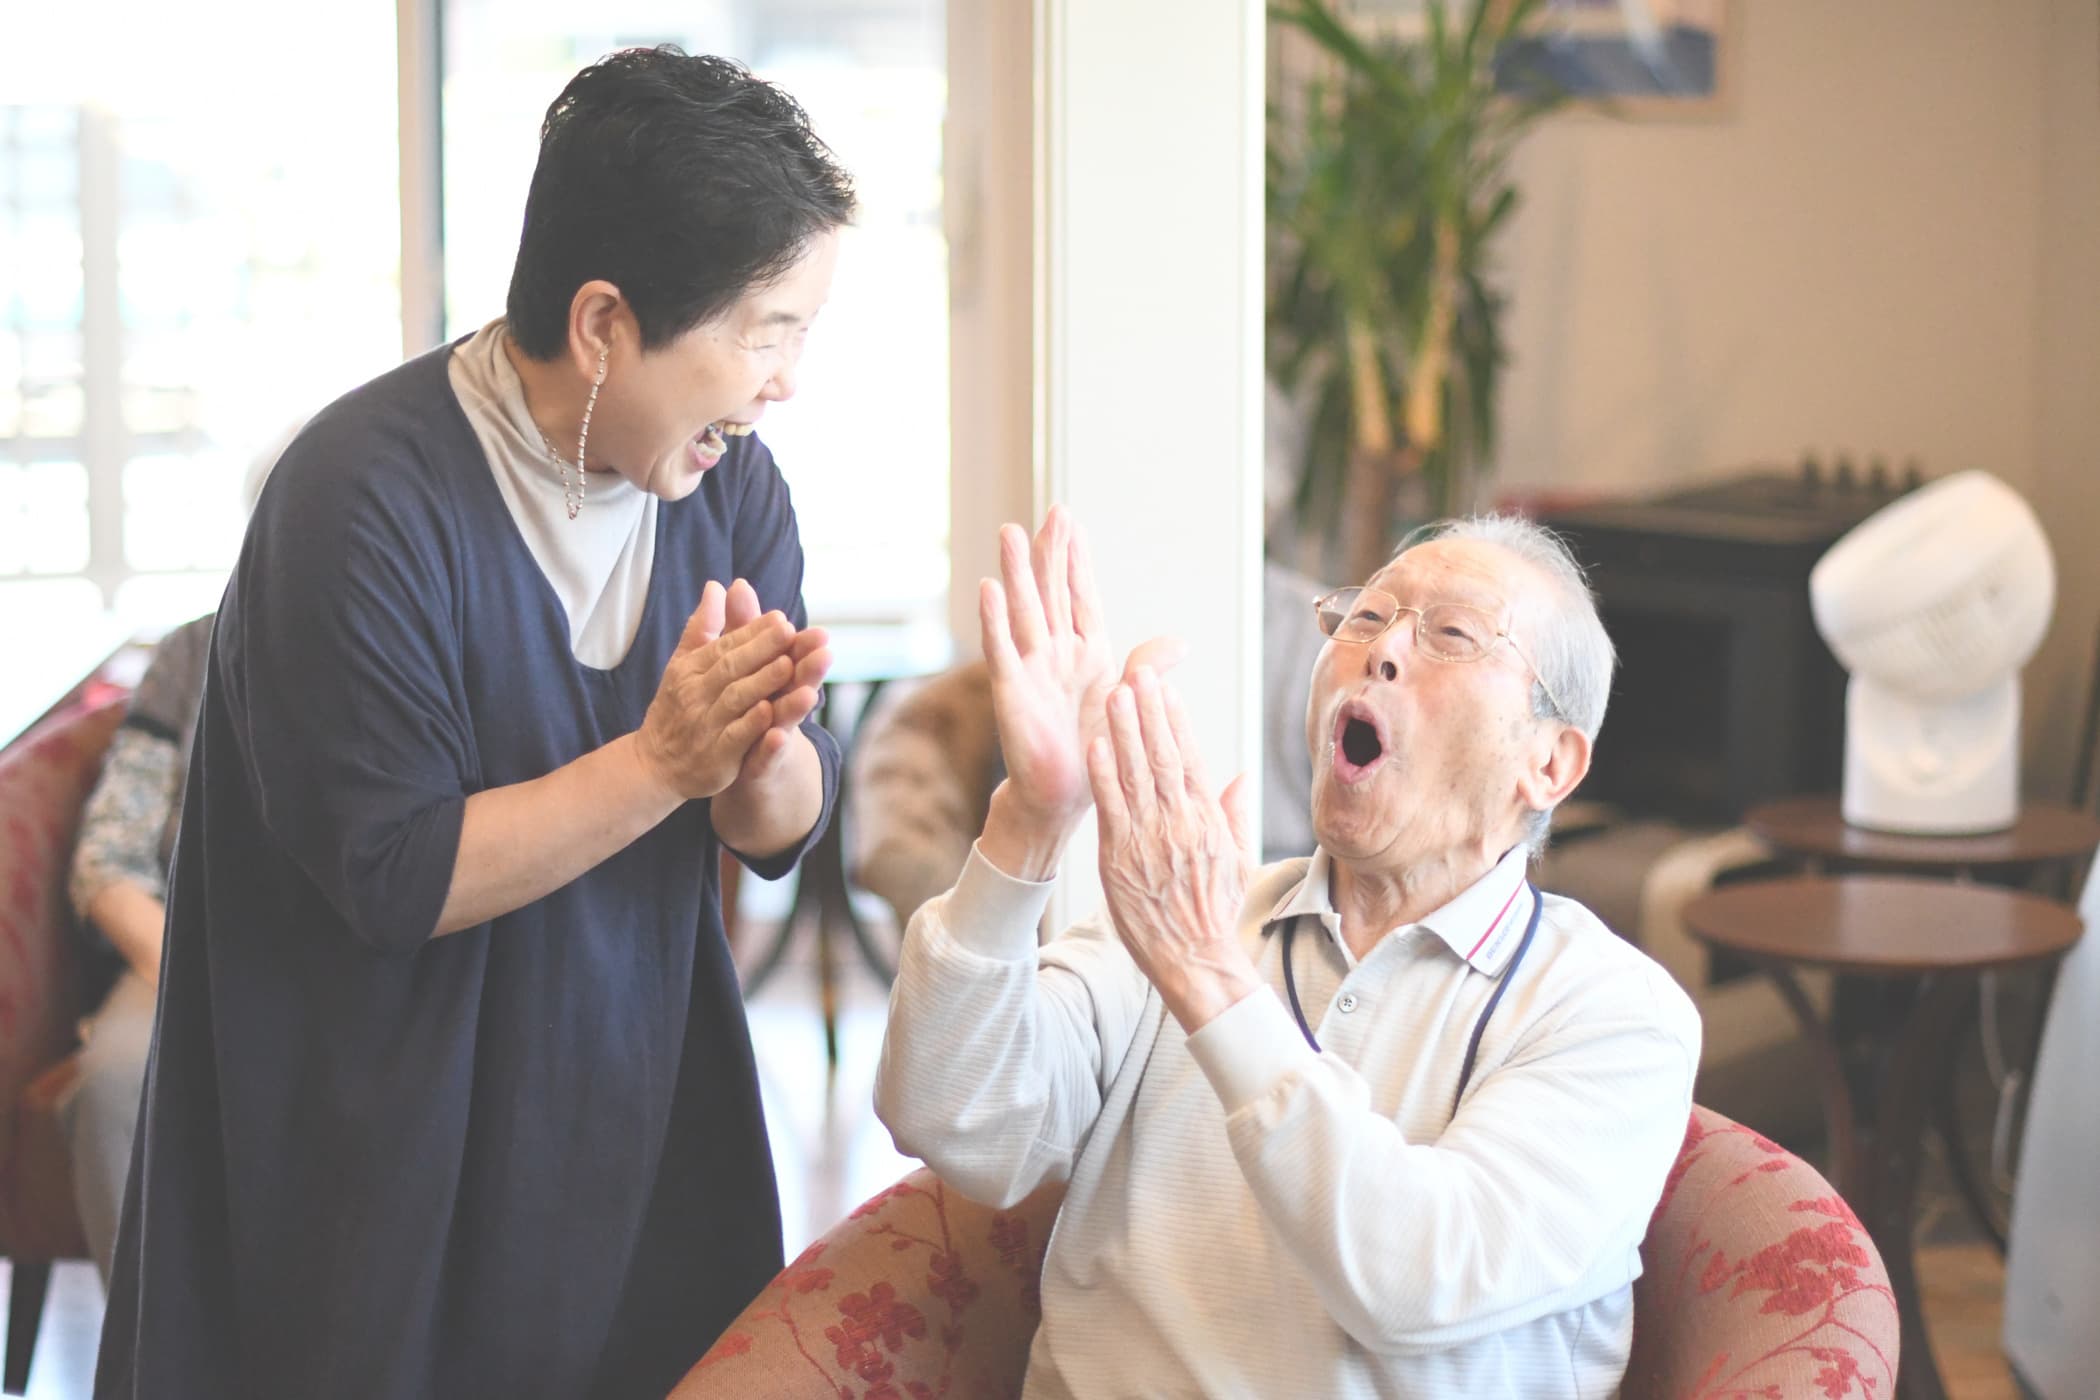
1174, 859
1051, 667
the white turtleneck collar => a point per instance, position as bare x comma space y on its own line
598, 564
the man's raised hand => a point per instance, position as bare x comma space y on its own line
1051, 667
1175, 860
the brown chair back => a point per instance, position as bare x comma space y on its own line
44, 781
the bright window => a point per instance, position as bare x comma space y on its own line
198, 247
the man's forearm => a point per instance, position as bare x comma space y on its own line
986, 1068
766, 816
522, 842
1026, 846
1020, 844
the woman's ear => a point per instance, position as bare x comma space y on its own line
597, 314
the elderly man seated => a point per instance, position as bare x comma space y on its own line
1383, 1122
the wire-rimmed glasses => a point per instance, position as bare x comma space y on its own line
1443, 631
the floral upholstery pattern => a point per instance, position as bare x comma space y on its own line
44, 780
1760, 1284
918, 1294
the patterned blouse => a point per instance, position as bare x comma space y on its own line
127, 830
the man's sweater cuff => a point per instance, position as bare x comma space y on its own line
1247, 1049
992, 914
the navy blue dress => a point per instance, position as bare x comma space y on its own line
525, 1159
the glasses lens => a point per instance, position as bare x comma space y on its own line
1455, 633
1354, 614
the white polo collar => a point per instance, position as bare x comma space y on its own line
1482, 923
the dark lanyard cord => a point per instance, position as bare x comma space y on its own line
1465, 1072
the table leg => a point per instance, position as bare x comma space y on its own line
1839, 1115
822, 893
828, 983
1947, 1121
820, 898
884, 967
770, 961
1920, 1060
1875, 1165
2031, 1052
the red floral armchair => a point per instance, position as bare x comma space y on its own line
44, 779
1760, 1284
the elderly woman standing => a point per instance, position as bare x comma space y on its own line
452, 1092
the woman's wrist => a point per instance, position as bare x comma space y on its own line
767, 811
651, 783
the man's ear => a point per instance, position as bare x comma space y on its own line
1556, 763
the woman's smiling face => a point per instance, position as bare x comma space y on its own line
663, 414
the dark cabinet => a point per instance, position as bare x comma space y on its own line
1726, 695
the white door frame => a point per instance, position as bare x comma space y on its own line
1131, 376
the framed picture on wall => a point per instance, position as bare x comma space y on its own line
1666, 60
1637, 58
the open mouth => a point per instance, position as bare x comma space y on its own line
712, 441
1359, 742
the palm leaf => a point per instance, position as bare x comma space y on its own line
1394, 139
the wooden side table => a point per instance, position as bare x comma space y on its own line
1938, 935
866, 657
2044, 837
1814, 828
823, 898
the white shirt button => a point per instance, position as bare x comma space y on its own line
1346, 1003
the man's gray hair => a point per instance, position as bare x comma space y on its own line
1573, 653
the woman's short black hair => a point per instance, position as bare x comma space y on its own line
683, 180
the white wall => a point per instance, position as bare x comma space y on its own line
1843, 261
1149, 311
989, 199
1890, 243
2067, 369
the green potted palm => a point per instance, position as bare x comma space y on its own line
1387, 181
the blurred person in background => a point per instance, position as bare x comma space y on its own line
118, 885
